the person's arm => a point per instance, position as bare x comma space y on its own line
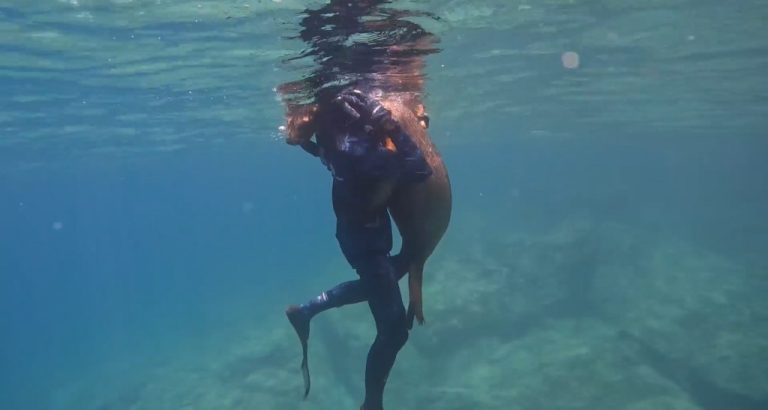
311, 147
412, 165
406, 162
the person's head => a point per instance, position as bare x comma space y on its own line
300, 124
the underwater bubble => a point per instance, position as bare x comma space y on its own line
570, 60
247, 207
57, 226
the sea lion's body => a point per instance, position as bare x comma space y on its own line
421, 211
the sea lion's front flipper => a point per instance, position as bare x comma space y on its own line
300, 324
415, 308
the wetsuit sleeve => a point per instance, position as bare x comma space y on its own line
406, 164
413, 165
311, 147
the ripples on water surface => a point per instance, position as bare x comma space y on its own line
139, 75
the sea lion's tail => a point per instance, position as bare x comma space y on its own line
300, 323
403, 265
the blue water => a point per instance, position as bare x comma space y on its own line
153, 226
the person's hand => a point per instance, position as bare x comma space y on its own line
359, 106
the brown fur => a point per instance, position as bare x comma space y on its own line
421, 211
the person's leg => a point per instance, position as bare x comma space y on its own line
346, 293
341, 295
300, 315
386, 305
362, 238
357, 240
360, 235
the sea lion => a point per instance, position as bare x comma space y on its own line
422, 211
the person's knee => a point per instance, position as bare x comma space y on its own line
396, 331
399, 265
378, 274
399, 337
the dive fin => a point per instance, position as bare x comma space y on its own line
305, 369
300, 324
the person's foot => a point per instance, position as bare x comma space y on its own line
300, 322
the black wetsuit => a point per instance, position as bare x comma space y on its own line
360, 166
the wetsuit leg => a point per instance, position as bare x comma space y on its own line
343, 294
386, 304
346, 293
361, 233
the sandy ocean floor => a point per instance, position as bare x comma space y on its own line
584, 316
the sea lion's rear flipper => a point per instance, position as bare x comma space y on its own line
409, 316
300, 323
415, 309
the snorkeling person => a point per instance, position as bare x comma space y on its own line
362, 102
369, 155
374, 45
